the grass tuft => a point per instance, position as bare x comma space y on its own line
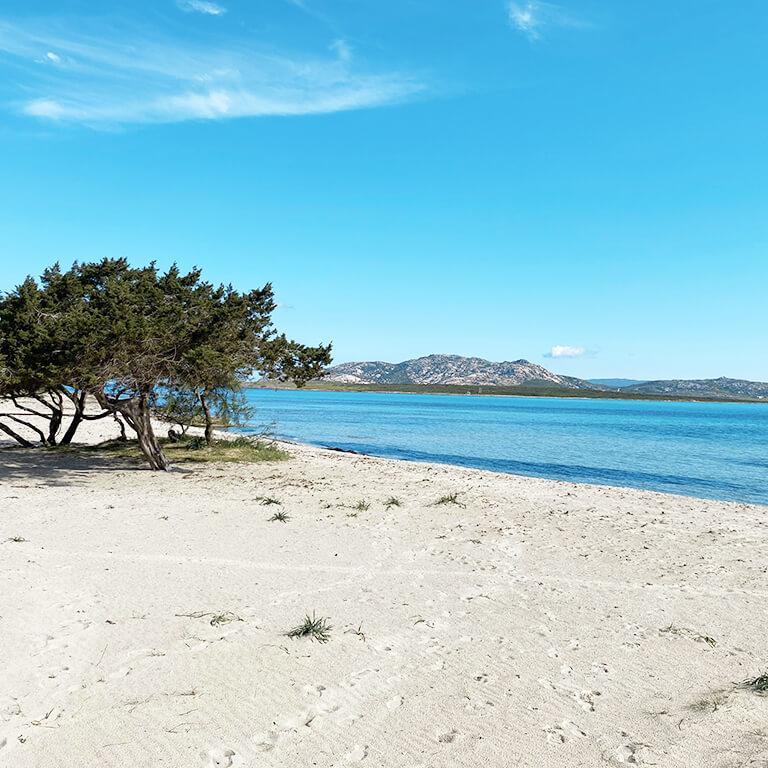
451, 498
224, 618
17, 539
393, 501
362, 506
757, 684
316, 628
711, 704
279, 517
265, 501
356, 631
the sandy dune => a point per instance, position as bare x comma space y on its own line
537, 624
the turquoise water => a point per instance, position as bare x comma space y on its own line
711, 450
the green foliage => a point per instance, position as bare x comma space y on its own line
224, 451
280, 517
124, 334
314, 627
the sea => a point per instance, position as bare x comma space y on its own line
710, 450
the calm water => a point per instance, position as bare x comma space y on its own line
717, 451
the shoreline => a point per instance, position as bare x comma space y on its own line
333, 449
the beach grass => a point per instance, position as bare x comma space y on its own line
314, 627
449, 498
241, 450
758, 684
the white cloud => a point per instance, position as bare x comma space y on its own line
202, 6
341, 49
51, 56
562, 351
532, 17
111, 78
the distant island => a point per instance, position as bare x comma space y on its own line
454, 374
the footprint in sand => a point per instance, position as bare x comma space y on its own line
449, 737
219, 758
560, 734
357, 754
627, 755
394, 702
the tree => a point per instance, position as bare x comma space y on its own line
31, 344
125, 334
237, 340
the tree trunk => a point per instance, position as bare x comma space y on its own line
73, 425
18, 438
137, 413
208, 420
148, 442
54, 425
120, 423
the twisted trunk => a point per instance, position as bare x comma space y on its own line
79, 402
138, 416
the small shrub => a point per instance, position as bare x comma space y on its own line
362, 506
265, 501
393, 501
280, 517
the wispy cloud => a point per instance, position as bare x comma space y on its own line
533, 17
341, 49
110, 78
202, 6
562, 351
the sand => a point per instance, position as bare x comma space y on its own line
143, 618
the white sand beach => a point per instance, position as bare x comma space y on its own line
143, 617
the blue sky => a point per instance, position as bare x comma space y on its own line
582, 184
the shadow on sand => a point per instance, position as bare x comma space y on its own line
61, 466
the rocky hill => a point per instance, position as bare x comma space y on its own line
452, 369
722, 387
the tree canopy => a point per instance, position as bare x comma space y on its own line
124, 334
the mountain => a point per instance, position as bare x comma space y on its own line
722, 387
616, 382
451, 369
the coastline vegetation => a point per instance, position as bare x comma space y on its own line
194, 451
490, 391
